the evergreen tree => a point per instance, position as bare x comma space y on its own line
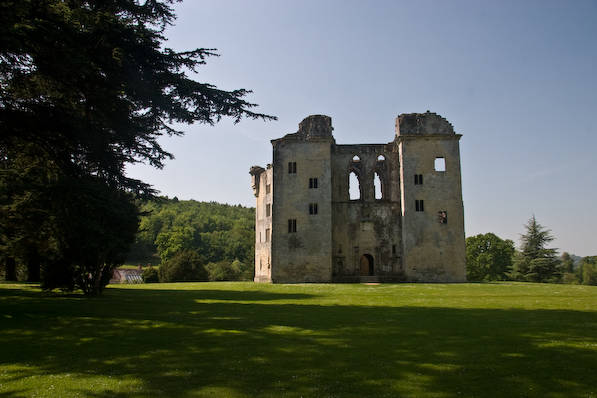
87, 87
567, 263
535, 262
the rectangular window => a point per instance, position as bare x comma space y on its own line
312, 183
291, 225
268, 188
267, 235
442, 216
419, 205
268, 210
418, 179
393, 249
312, 208
440, 164
291, 167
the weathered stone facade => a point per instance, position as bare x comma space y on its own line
308, 229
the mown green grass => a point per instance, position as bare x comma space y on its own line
256, 340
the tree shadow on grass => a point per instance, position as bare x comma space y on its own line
196, 343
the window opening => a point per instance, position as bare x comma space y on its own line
419, 206
312, 183
268, 188
418, 179
354, 186
440, 164
356, 158
268, 210
393, 249
381, 158
291, 225
291, 167
312, 208
442, 216
378, 188
267, 235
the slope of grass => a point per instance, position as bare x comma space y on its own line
255, 340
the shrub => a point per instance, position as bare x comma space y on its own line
229, 271
184, 266
488, 257
150, 275
589, 270
570, 278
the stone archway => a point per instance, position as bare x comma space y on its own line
367, 266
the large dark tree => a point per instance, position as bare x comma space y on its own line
87, 87
90, 84
535, 262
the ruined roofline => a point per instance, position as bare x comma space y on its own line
428, 124
256, 170
407, 137
311, 128
347, 146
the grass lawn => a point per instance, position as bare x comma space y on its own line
258, 340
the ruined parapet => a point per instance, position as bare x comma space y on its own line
316, 126
427, 123
255, 172
312, 128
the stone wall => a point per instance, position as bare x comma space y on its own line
303, 255
366, 226
262, 182
433, 250
387, 238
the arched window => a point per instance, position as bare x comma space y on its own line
356, 158
354, 187
378, 188
381, 158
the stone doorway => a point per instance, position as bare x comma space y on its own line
367, 266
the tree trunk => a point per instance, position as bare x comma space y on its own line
10, 269
33, 268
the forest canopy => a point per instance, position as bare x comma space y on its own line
219, 234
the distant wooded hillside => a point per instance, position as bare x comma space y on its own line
217, 232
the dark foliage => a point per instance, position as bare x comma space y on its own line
89, 84
87, 87
229, 271
95, 226
185, 266
150, 275
535, 262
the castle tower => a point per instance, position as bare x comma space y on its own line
406, 223
296, 226
432, 209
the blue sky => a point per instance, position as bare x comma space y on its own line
516, 78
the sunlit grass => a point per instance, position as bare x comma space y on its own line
312, 340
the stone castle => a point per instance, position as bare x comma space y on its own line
408, 226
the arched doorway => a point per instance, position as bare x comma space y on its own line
367, 268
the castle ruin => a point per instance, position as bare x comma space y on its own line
308, 229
